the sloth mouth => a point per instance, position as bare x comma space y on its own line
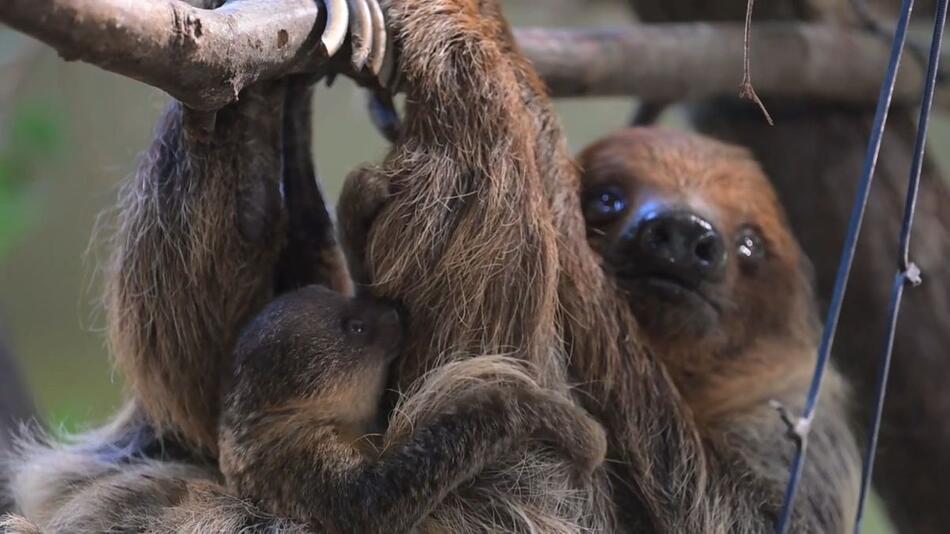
670, 290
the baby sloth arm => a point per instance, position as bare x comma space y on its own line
295, 423
314, 476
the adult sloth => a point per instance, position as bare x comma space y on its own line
210, 229
477, 228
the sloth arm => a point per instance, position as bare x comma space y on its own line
483, 225
200, 245
333, 486
687, 476
203, 241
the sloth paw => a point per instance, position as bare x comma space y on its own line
583, 441
365, 193
569, 429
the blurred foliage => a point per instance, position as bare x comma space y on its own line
35, 133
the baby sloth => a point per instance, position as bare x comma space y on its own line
311, 371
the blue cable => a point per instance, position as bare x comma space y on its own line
907, 272
799, 431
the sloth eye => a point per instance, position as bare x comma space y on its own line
750, 246
604, 205
355, 326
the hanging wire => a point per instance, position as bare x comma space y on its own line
907, 271
798, 429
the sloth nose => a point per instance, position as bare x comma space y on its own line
676, 243
389, 326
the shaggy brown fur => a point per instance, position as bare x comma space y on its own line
479, 233
70, 489
737, 340
200, 245
482, 226
14, 524
199, 234
295, 435
201, 231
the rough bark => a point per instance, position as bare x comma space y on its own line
674, 62
204, 58
814, 155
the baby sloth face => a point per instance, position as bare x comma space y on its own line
693, 233
318, 348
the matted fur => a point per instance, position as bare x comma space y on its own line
534, 493
199, 230
65, 489
482, 238
187, 271
15, 524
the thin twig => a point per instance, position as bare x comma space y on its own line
746, 90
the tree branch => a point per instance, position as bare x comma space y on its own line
206, 57
201, 57
693, 61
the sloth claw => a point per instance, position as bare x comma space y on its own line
380, 37
361, 32
338, 20
388, 72
364, 22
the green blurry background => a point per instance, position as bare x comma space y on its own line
70, 133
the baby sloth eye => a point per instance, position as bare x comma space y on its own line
750, 247
355, 326
604, 205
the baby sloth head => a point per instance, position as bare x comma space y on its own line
693, 233
317, 353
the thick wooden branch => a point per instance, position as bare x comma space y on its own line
692, 61
206, 57
201, 57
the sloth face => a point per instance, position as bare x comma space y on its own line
318, 347
692, 232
